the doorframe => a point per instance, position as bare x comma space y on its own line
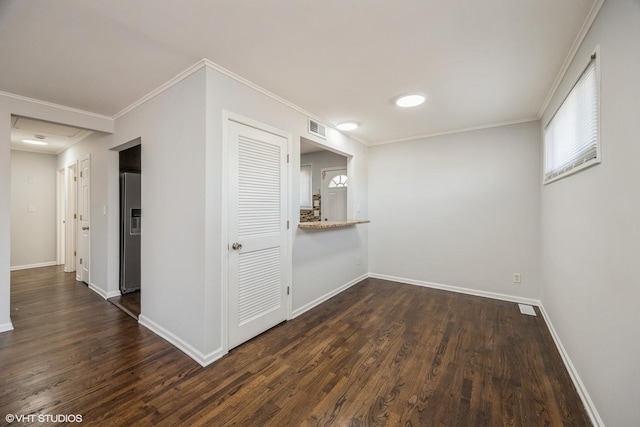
323, 190
71, 199
61, 219
86, 251
228, 116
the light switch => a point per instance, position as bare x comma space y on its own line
31, 208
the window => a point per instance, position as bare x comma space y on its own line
305, 187
338, 181
571, 139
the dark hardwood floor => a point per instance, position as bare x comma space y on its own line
380, 353
129, 303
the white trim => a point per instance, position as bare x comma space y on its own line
28, 266
203, 359
273, 96
224, 232
177, 79
327, 296
586, 26
573, 373
6, 327
58, 106
457, 289
87, 254
103, 294
452, 131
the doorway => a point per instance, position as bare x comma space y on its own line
130, 168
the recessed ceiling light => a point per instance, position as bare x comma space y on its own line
348, 126
410, 100
35, 142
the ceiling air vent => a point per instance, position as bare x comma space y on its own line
317, 129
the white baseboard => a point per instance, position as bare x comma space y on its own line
5, 327
457, 289
102, 292
27, 266
186, 348
582, 391
323, 298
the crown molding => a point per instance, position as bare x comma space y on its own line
53, 105
452, 131
181, 76
586, 26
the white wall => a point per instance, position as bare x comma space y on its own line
319, 160
323, 262
23, 107
33, 234
590, 237
458, 210
172, 129
96, 145
183, 253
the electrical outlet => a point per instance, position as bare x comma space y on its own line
516, 278
357, 260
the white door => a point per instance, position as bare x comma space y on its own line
333, 197
258, 264
84, 217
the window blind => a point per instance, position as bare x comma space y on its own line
571, 137
305, 187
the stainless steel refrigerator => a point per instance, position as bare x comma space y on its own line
130, 226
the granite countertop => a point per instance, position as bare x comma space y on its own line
331, 224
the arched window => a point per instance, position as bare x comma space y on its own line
338, 181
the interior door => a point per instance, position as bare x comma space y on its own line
258, 264
334, 194
84, 219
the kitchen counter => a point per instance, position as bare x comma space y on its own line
319, 225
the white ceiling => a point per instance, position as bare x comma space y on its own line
478, 62
58, 137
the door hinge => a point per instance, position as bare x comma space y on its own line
80, 217
80, 174
288, 290
287, 158
287, 224
80, 261
75, 178
74, 253
324, 174
75, 216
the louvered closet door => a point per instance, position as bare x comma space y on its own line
257, 232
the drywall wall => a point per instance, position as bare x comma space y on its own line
458, 210
172, 129
95, 145
590, 238
38, 110
33, 209
319, 160
183, 255
323, 262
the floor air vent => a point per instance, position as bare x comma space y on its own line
527, 309
317, 129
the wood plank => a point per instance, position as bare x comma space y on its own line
380, 353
